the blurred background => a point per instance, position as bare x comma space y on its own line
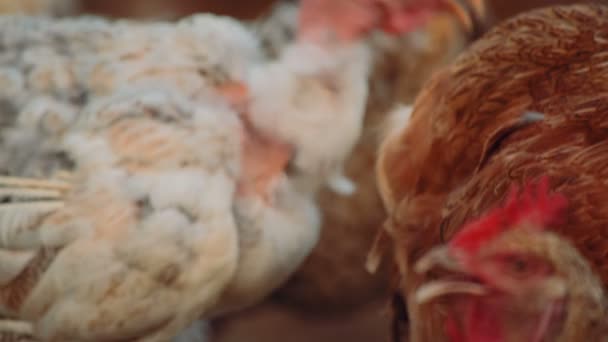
247, 9
243, 9
332, 297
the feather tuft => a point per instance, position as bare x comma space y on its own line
534, 205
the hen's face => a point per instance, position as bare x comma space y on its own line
347, 20
509, 290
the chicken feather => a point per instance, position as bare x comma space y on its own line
188, 224
133, 234
326, 283
469, 139
322, 91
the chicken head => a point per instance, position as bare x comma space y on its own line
347, 20
505, 277
330, 26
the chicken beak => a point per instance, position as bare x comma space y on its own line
438, 256
470, 13
479, 8
460, 11
440, 288
441, 257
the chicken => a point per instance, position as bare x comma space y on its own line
343, 74
159, 192
512, 279
321, 81
475, 129
333, 278
129, 128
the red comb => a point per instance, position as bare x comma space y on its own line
534, 205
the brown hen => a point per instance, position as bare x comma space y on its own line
469, 139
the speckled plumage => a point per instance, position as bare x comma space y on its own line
130, 227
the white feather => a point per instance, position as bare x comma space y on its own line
314, 98
149, 240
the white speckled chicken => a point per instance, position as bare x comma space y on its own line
333, 278
140, 239
324, 75
150, 202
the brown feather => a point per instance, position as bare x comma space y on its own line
552, 61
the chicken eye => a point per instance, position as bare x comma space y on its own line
522, 266
519, 266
